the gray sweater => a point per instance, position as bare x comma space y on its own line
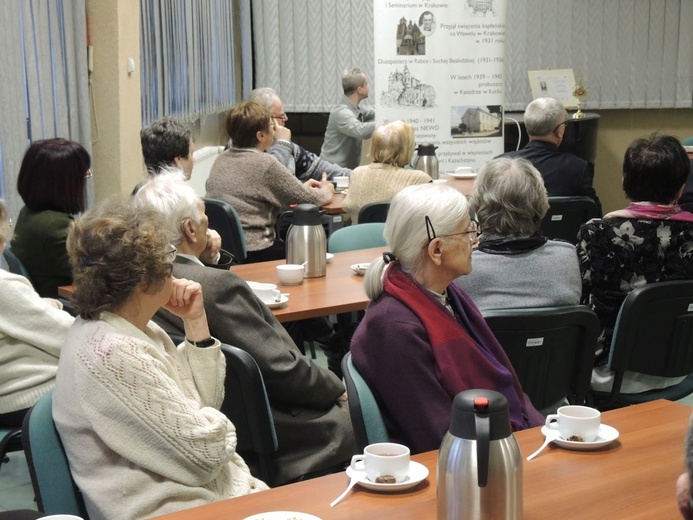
545, 277
259, 188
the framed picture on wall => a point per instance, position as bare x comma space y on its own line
558, 83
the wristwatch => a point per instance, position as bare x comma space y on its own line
202, 343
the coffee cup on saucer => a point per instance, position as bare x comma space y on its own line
576, 423
290, 274
342, 182
267, 292
384, 462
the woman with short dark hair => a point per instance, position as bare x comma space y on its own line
51, 182
649, 241
139, 418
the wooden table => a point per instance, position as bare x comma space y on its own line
335, 206
340, 290
633, 478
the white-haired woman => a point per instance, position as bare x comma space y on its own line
392, 146
515, 266
423, 340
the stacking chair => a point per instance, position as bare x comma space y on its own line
551, 349
11, 440
366, 418
374, 212
14, 264
653, 335
358, 236
54, 487
247, 407
566, 215
224, 219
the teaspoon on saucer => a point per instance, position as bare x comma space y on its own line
550, 437
358, 477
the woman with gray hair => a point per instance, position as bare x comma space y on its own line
515, 266
423, 340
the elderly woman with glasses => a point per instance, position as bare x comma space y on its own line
423, 340
139, 418
515, 266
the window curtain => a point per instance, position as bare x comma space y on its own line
629, 53
195, 57
44, 92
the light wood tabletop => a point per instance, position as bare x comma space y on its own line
633, 478
340, 290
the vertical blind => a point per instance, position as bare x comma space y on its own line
44, 92
195, 56
629, 53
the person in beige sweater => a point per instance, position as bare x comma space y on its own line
256, 184
392, 146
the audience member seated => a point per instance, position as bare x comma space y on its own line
32, 331
564, 174
51, 182
256, 184
392, 146
302, 163
515, 266
139, 418
686, 200
308, 402
683, 484
423, 340
647, 242
167, 143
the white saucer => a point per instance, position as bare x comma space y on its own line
360, 269
329, 257
417, 473
606, 435
282, 515
278, 305
462, 175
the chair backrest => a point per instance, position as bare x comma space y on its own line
374, 212
654, 332
14, 264
224, 219
247, 407
366, 418
358, 236
551, 349
566, 215
55, 490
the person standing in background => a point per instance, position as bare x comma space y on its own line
349, 124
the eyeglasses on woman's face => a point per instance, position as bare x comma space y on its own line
473, 233
170, 257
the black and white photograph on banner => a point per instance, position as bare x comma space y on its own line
476, 121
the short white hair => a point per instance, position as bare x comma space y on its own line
405, 227
543, 115
174, 198
265, 97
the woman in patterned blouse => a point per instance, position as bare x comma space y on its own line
649, 241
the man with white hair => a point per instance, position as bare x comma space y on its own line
349, 124
564, 174
302, 163
308, 403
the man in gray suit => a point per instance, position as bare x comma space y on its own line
311, 416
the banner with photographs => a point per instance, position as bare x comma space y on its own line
439, 66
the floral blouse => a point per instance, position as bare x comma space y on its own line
618, 255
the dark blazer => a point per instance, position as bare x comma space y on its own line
314, 431
564, 174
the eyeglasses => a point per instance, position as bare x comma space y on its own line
559, 125
282, 117
473, 233
171, 253
88, 175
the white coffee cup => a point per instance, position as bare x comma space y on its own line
464, 170
440, 181
267, 292
61, 517
342, 182
575, 421
290, 274
383, 459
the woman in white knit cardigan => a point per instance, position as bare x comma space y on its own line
392, 146
138, 416
32, 331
